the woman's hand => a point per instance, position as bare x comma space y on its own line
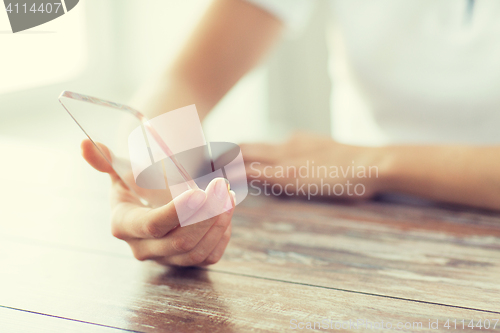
310, 165
154, 233
456, 174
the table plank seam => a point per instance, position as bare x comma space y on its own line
66, 247
350, 291
84, 250
70, 319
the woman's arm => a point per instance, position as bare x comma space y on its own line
230, 40
457, 174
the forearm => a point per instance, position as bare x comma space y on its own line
231, 39
456, 174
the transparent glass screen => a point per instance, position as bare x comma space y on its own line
161, 158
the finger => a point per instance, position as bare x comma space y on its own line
287, 179
218, 252
131, 221
185, 239
218, 201
97, 157
206, 245
261, 152
264, 171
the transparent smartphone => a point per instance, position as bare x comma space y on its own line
161, 158
112, 124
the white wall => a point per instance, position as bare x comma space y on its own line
125, 43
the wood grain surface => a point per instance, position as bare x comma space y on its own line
426, 254
122, 293
61, 270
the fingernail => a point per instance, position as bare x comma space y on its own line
221, 188
230, 203
196, 199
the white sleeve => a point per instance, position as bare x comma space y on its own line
293, 13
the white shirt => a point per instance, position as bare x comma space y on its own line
412, 71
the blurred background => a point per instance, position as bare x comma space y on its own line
109, 49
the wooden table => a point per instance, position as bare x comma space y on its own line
288, 262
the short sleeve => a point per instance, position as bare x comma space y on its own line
293, 13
